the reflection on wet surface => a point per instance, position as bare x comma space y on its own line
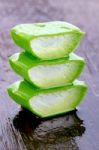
55, 133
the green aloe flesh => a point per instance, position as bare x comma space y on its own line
48, 102
49, 40
47, 73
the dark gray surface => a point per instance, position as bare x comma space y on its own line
19, 130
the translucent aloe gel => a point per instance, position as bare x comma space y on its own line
48, 66
49, 40
48, 102
47, 74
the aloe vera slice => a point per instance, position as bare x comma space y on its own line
47, 73
48, 102
49, 40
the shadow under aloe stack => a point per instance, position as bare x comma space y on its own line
49, 68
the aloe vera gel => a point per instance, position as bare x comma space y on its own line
47, 74
47, 102
49, 40
49, 68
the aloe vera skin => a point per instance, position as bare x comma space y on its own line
39, 37
23, 93
22, 63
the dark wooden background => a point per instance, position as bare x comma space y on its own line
19, 129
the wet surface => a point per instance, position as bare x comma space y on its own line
50, 133
19, 129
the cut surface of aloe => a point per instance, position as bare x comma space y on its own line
47, 73
48, 102
49, 40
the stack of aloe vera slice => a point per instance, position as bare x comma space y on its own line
49, 68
